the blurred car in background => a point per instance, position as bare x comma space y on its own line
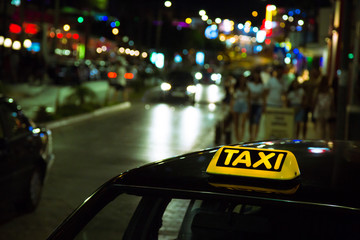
66, 73
281, 189
208, 77
179, 84
25, 156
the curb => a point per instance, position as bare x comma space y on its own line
82, 117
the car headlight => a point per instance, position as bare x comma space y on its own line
198, 76
216, 77
191, 89
165, 86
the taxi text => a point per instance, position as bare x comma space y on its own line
263, 160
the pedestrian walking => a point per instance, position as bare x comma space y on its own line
309, 83
240, 104
229, 88
265, 74
275, 89
324, 109
296, 99
289, 76
223, 127
257, 103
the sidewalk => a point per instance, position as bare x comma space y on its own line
312, 133
31, 97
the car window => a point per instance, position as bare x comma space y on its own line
156, 217
112, 221
149, 217
173, 218
234, 220
178, 77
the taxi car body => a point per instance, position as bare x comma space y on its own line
25, 156
179, 84
284, 189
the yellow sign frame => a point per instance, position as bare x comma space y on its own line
284, 168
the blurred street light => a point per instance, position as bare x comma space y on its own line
66, 27
202, 12
80, 19
7, 42
16, 45
27, 43
115, 31
204, 18
167, 3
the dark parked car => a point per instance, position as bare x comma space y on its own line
285, 189
25, 156
179, 84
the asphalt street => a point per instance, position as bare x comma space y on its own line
92, 148
90, 152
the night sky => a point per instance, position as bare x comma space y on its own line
237, 10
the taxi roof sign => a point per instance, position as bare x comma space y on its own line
254, 162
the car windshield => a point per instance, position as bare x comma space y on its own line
180, 78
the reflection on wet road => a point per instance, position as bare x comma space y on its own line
210, 93
177, 127
91, 152
205, 94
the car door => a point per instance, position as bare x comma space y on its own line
6, 166
18, 150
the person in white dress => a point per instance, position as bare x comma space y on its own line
275, 89
257, 103
240, 106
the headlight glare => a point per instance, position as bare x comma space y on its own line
165, 86
191, 88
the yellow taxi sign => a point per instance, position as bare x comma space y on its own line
254, 162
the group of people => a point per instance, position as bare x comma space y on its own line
278, 87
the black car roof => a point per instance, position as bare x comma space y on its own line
329, 173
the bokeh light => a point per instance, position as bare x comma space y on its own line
66, 27
167, 3
115, 31
16, 45
202, 12
27, 43
80, 19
